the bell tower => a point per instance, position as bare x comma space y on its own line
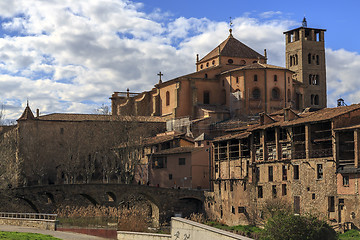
305, 55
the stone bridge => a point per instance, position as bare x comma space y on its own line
162, 203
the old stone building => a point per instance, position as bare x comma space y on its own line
173, 160
233, 80
69, 148
308, 159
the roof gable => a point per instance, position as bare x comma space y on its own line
232, 47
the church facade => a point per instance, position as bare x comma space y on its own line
233, 80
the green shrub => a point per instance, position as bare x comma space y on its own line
286, 225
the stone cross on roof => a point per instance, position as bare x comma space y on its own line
160, 74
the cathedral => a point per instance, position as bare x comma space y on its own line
235, 81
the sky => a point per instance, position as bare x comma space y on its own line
70, 56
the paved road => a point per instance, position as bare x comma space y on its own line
58, 234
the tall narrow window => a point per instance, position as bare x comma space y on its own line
309, 58
274, 192
284, 173
296, 59
260, 192
275, 78
255, 78
316, 100
284, 190
291, 61
167, 98
271, 173
331, 204
206, 97
296, 172
319, 171
317, 60
345, 181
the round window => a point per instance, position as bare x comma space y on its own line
230, 61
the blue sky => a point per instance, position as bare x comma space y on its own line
70, 56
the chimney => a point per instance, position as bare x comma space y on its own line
265, 55
37, 112
197, 57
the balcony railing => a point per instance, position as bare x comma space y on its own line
31, 216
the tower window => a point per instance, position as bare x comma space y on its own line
213, 62
317, 60
260, 192
255, 78
230, 61
256, 94
237, 79
275, 94
207, 64
206, 97
167, 98
201, 66
206, 76
291, 61
316, 100
275, 78
309, 58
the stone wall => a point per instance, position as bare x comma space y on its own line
184, 229
35, 223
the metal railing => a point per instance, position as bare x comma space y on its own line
31, 216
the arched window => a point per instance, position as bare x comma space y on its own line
201, 66
206, 97
289, 95
206, 76
213, 62
316, 100
167, 98
256, 93
275, 78
291, 61
275, 94
317, 60
309, 58
255, 78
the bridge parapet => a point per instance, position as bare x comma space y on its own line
37, 220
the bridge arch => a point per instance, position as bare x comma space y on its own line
142, 201
30, 203
89, 198
189, 205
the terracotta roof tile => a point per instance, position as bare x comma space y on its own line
97, 117
177, 150
322, 114
232, 47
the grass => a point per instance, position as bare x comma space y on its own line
25, 236
350, 235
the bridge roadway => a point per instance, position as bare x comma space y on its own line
162, 202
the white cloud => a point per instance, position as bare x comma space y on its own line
69, 56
